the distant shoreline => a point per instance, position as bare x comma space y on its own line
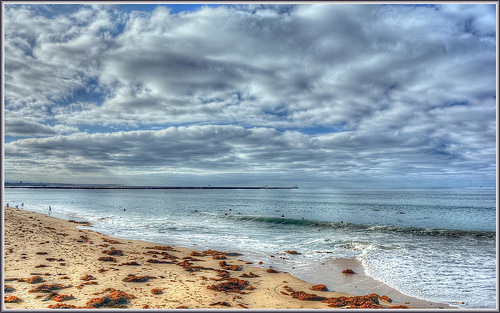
142, 187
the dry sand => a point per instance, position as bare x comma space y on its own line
60, 253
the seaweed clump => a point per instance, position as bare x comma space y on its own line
359, 302
303, 296
249, 275
113, 251
47, 288
232, 284
137, 279
115, 299
8, 288
133, 263
156, 291
385, 298
62, 306
319, 287
88, 277
348, 271
32, 280
227, 266
12, 299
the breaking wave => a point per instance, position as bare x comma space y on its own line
364, 227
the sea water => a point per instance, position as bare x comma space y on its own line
435, 244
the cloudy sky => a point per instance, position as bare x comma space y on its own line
309, 95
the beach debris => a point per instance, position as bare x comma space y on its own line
182, 307
132, 263
271, 270
47, 288
158, 261
303, 296
12, 299
156, 291
88, 277
165, 255
164, 248
359, 302
250, 288
8, 288
260, 262
219, 256
192, 259
319, 287
50, 259
111, 241
348, 271
398, 307
188, 266
42, 253
292, 252
137, 279
61, 298
196, 253
249, 275
65, 277
242, 305
385, 298
49, 296
113, 251
107, 259
224, 303
84, 238
231, 267
223, 273
32, 280
41, 265
62, 306
80, 222
86, 283
231, 285
115, 299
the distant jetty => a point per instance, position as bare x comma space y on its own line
42, 186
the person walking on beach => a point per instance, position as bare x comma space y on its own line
50, 210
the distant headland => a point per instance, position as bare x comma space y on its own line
109, 186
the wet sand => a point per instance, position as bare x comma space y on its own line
86, 269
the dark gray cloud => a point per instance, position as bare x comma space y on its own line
323, 90
25, 128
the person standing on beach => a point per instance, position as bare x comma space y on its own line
50, 210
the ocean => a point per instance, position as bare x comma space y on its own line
433, 244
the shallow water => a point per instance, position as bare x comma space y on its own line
436, 245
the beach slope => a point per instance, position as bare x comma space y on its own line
53, 263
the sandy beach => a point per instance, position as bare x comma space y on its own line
52, 263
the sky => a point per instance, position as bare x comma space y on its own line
314, 95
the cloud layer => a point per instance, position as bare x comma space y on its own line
296, 93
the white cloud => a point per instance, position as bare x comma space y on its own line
408, 85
